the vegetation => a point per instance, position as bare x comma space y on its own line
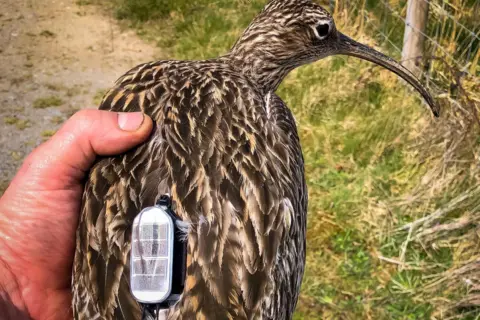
47, 102
97, 98
151, 9
47, 34
3, 186
394, 203
48, 134
21, 124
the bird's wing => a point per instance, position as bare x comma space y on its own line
288, 271
216, 152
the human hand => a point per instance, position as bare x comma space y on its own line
39, 211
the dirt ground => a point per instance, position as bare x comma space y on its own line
56, 57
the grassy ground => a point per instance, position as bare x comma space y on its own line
372, 163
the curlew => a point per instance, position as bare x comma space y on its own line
226, 148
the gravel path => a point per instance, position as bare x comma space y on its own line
56, 57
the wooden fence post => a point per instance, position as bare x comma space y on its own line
415, 28
332, 6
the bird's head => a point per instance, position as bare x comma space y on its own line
291, 33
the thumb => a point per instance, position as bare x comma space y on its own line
73, 149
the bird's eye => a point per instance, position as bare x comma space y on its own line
323, 30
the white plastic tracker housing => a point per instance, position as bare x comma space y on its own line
151, 257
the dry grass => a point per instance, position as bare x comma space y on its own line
441, 242
449, 189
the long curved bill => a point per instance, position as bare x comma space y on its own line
350, 47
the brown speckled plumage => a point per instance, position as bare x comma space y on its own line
226, 148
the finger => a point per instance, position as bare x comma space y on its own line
88, 134
92, 132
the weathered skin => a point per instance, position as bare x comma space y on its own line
226, 148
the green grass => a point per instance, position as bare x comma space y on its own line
57, 120
144, 10
84, 2
55, 86
48, 133
20, 124
3, 186
47, 102
359, 140
97, 98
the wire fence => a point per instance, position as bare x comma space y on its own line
452, 35
450, 147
